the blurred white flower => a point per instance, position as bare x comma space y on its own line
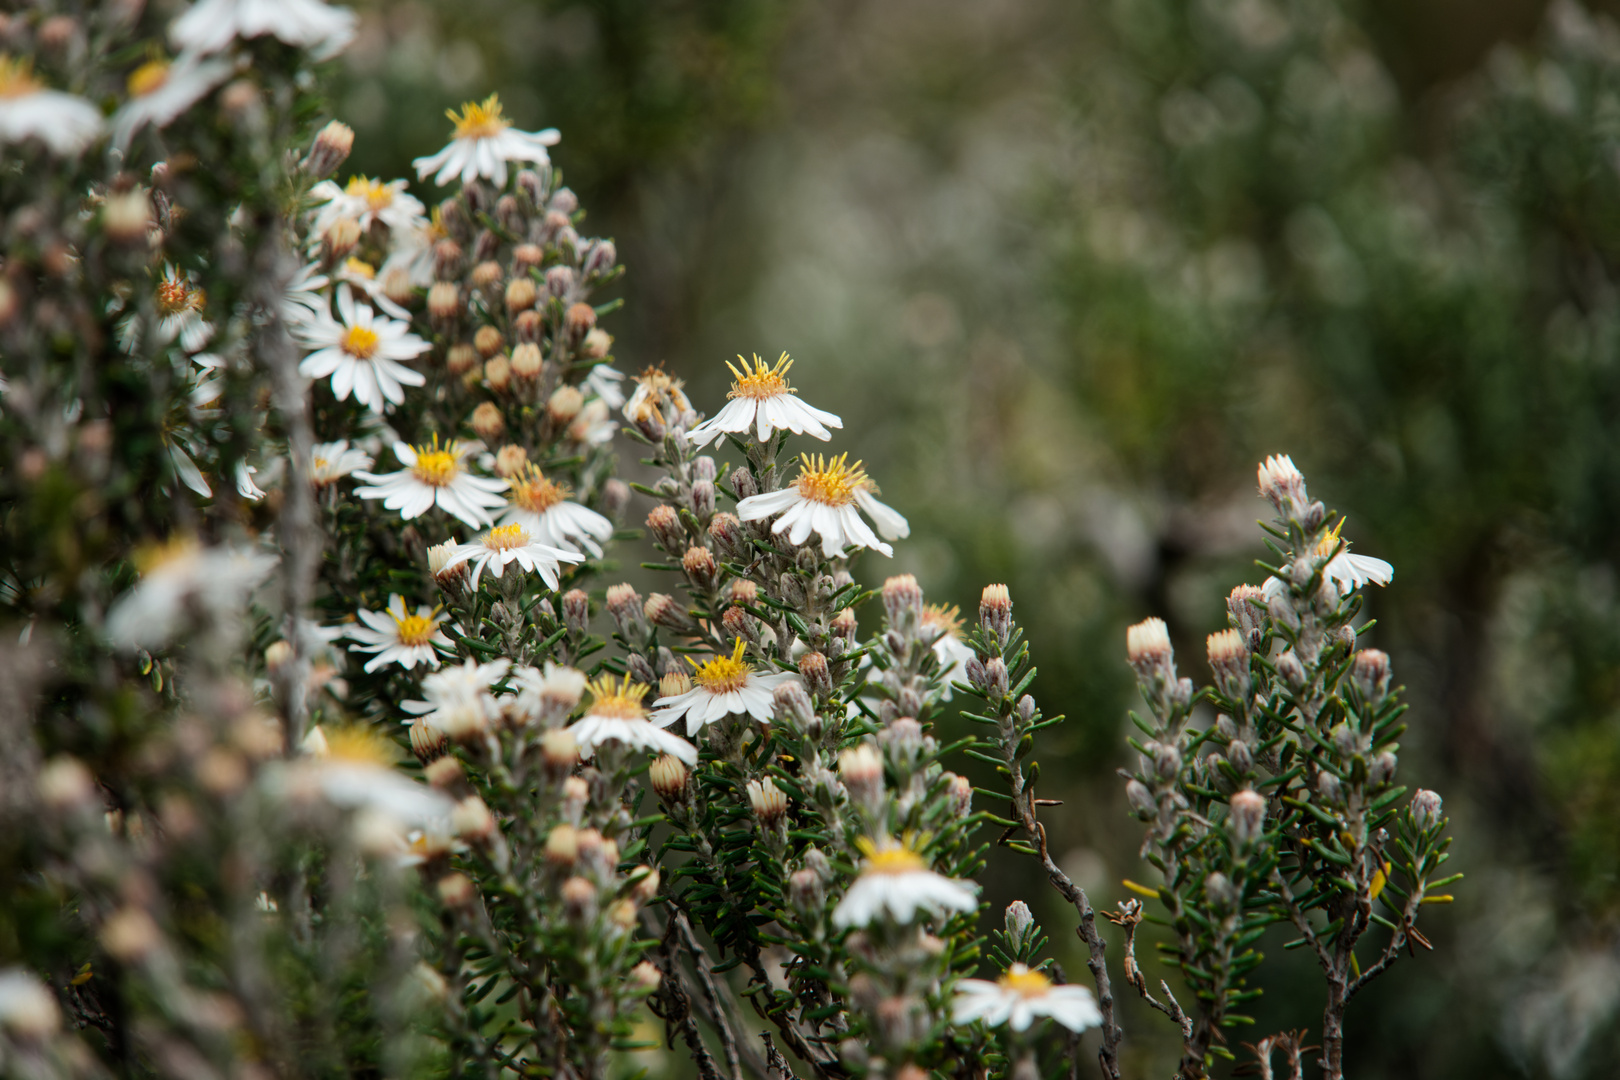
721, 686
28, 1009
332, 461
603, 381
305, 296
542, 506
180, 305
435, 475
594, 425
823, 499
178, 578
367, 201
548, 693
949, 648
459, 701
508, 544
895, 881
160, 90
483, 142
617, 715
353, 768
64, 123
399, 637
1019, 996
762, 401
361, 275
245, 487
361, 353
212, 25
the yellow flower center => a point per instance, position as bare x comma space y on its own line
723, 674
436, 467
415, 629
1329, 543
320, 463
378, 195
359, 342
506, 538
359, 268
833, 481
149, 77
17, 78
154, 556
1024, 982
175, 294
891, 857
359, 744
534, 493
759, 381
946, 618
479, 121
621, 701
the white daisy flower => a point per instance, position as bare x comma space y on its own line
180, 305
361, 353
368, 201
412, 251
459, 701
305, 296
895, 881
603, 381
482, 144
617, 715
359, 274
544, 695
508, 544
1347, 570
178, 578
212, 25
332, 461
64, 123
435, 475
160, 90
762, 401
721, 686
542, 506
1019, 996
397, 636
594, 425
354, 768
949, 648
823, 499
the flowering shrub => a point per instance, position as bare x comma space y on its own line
332, 760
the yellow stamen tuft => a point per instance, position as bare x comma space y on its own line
723, 674
759, 381
17, 78
832, 481
359, 268
175, 294
436, 467
378, 194
148, 78
1024, 982
416, 629
890, 857
534, 493
479, 120
359, 342
946, 618
359, 744
506, 538
152, 556
1329, 543
621, 701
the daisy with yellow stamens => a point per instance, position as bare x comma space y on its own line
354, 768
399, 637
945, 622
824, 499
508, 544
459, 700
361, 351
331, 461
481, 145
895, 882
180, 579
180, 306
616, 714
542, 506
160, 90
721, 686
762, 400
367, 202
362, 277
1347, 570
435, 475
1019, 996
213, 25
66, 124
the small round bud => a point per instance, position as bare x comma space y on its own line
487, 274
472, 821
645, 888
698, 562
488, 341
527, 363
460, 359
1427, 809
1329, 788
576, 608
510, 460
66, 785
625, 609
498, 374
1141, 800
727, 533
596, 344
559, 750
528, 327
339, 240
703, 496
580, 319
601, 258
456, 891
520, 294
1291, 670
526, 257
615, 497
817, 677
1242, 759
1371, 675
428, 743
861, 770
1147, 647
562, 846
1246, 605
560, 281
805, 891
646, 977
665, 611
995, 612
564, 404
443, 774
1167, 762
1222, 894
793, 707
995, 678
447, 260
1247, 820
743, 484
768, 802
331, 149
397, 285
665, 525
1018, 920
488, 422
902, 602
1381, 770
579, 897
127, 217
668, 776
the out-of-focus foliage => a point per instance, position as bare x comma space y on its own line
1112, 254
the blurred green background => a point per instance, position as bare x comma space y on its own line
1068, 270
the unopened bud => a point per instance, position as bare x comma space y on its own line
1248, 818
995, 678
488, 273
456, 891
331, 149
1229, 657
1282, 484
1147, 647
560, 281
1018, 920
668, 775
1371, 675
793, 707
461, 359
564, 404
520, 293
1291, 670
1247, 606
488, 422
1346, 740
1329, 788
526, 257
961, 794
1222, 894
576, 608
562, 846
1427, 809
448, 260
817, 677
1242, 759
861, 770
601, 259
1166, 761
665, 525
596, 344
843, 625
444, 774
902, 602
127, 216
703, 499
428, 743
579, 897
625, 609
646, 977
339, 239
130, 935
664, 610
559, 750
768, 802
510, 460
498, 373
488, 341
726, 531
1381, 770
527, 362
472, 821
66, 785
743, 484
995, 612
444, 302
805, 891
1026, 709
615, 497
580, 319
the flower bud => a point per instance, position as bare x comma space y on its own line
995, 612
562, 846
1246, 605
1282, 484
331, 149
1371, 675
1229, 658
488, 273
1247, 820
1346, 741
625, 609
461, 359
472, 821
447, 260
564, 404
560, 281
843, 626
1026, 709
663, 610
576, 794
668, 776
1381, 770
1147, 647
576, 608
66, 785
510, 460
498, 373
699, 565
1329, 788
559, 751
526, 257
1166, 761
902, 602
601, 259
768, 802
488, 422
1427, 809
817, 678
703, 499
738, 623
615, 496
793, 707
743, 484
1242, 759
455, 891
130, 935
743, 592
974, 669
579, 897
665, 525
805, 891
640, 671
961, 795
29, 1012
1018, 920
520, 294
127, 216
727, 533
444, 774
428, 743
860, 768
1291, 670
339, 240
579, 320
646, 977
596, 344
995, 678
1222, 894
488, 341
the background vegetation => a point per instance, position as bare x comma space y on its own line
1067, 271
